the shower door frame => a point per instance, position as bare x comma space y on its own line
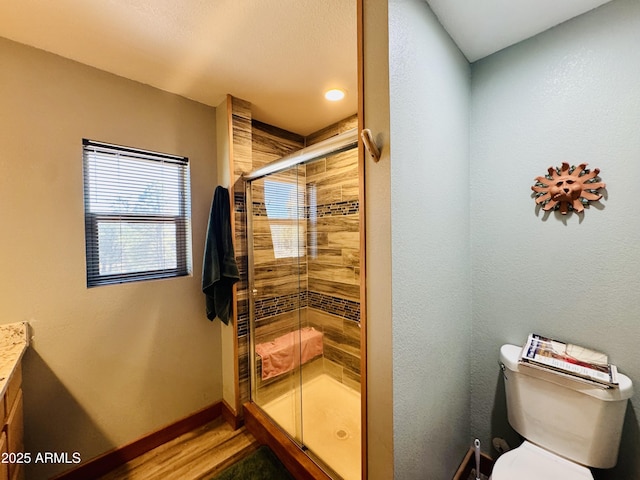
342, 142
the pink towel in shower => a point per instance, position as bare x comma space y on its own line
287, 351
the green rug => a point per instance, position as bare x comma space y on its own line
260, 465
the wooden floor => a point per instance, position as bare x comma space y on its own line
196, 455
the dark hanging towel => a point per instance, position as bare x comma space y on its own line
219, 268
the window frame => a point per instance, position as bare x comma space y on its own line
181, 221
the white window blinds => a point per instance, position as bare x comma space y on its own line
137, 214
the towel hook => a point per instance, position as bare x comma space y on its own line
370, 145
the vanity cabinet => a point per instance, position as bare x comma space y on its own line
12, 436
14, 340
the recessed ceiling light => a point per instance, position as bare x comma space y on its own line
334, 95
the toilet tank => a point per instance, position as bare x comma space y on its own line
570, 418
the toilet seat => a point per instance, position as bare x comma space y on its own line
530, 462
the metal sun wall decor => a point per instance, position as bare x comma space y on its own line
568, 188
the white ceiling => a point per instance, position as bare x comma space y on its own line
280, 55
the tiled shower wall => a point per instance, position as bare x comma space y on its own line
241, 157
320, 288
333, 258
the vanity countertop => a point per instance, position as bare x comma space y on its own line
14, 340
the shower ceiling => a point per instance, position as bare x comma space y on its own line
280, 55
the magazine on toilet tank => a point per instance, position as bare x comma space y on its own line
569, 359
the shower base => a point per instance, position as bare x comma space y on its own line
330, 422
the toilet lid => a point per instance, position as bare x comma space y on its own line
530, 462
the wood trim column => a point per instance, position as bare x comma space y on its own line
363, 244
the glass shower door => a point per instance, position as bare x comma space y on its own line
277, 276
304, 257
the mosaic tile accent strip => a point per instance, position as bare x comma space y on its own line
336, 306
341, 307
259, 209
350, 207
243, 323
239, 203
281, 304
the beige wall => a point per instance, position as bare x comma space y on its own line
107, 364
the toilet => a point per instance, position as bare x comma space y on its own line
568, 425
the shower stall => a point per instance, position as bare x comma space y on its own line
303, 240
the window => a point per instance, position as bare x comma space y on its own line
284, 203
137, 214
